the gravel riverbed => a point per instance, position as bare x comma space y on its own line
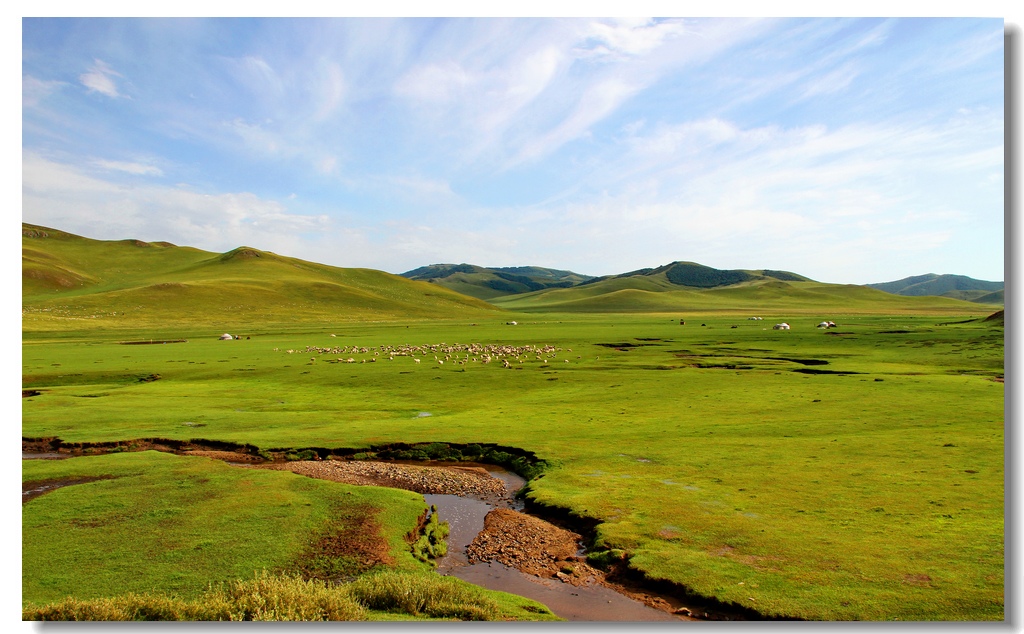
472, 481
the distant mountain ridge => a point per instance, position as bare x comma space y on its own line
696, 275
69, 280
955, 286
489, 282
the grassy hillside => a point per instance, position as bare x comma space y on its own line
654, 293
69, 281
488, 283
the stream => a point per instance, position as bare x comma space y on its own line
465, 517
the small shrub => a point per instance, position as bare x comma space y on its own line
431, 543
605, 558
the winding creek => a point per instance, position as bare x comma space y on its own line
586, 599
465, 516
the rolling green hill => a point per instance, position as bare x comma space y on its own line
711, 290
69, 281
489, 282
955, 286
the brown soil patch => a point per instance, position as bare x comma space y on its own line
533, 546
541, 549
229, 456
350, 544
471, 481
917, 580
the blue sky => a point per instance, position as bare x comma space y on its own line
847, 150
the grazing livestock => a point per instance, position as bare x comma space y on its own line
782, 326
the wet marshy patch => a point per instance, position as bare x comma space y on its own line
624, 346
816, 371
800, 361
32, 490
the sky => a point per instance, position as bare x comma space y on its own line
849, 150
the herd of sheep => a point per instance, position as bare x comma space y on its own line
439, 354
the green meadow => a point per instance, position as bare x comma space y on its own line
854, 473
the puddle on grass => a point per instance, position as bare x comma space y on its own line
32, 490
465, 517
44, 455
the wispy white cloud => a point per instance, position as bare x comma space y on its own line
553, 82
35, 90
596, 103
832, 81
140, 169
796, 195
69, 197
102, 78
627, 37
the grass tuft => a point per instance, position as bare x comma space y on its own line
424, 595
269, 597
285, 598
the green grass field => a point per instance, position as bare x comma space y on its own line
874, 491
849, 474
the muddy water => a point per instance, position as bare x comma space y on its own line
465, 517
32, 490
48, 455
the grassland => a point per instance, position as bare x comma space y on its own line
869, 489
842, 474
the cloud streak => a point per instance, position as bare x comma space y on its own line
103, 79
